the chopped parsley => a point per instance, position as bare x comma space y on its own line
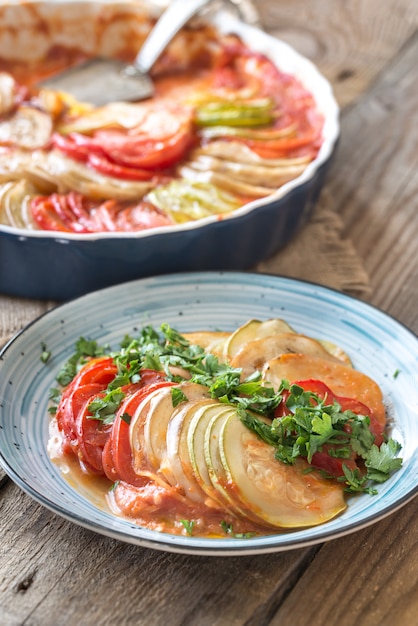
45, 354
228, 530
85, 349
104, 409
188, 525
54, 397
310, 425
313, 424
126, 418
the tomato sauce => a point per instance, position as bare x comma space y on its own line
152, 505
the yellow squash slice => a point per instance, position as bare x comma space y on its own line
343, 381
253, 355
209, 340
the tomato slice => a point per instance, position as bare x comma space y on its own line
67, 409
332, 465
91, 379
151, 155
103, 165
318, 388
45, 216
160, 141
77, 150
150, 377
323, 460
98, 370
109, 469
73, 212
92, 434
66, 423
66, 213
314, 386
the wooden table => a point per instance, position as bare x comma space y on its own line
54, 573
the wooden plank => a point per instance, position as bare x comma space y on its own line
375, 185
384, 590
349, 41
54, 572
16, 313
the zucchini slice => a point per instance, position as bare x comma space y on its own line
196, 436
252, 330
158, 416
277, 494
178, 463
217, 470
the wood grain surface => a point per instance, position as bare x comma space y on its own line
54, 573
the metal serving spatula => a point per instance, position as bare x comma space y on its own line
102, 80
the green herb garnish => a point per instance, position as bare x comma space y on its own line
228, 530
45, 354
85, 349
188, 525
313, 424
104, 409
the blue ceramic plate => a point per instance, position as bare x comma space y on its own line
378, 345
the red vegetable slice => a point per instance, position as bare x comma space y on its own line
376, 427
104, 166
91, 380
75, 213
332, 465
67, 213
98, 370
161, 140
45, 216
121, 452
69, 147
92, 434
108, 464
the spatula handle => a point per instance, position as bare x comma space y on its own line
168, 25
